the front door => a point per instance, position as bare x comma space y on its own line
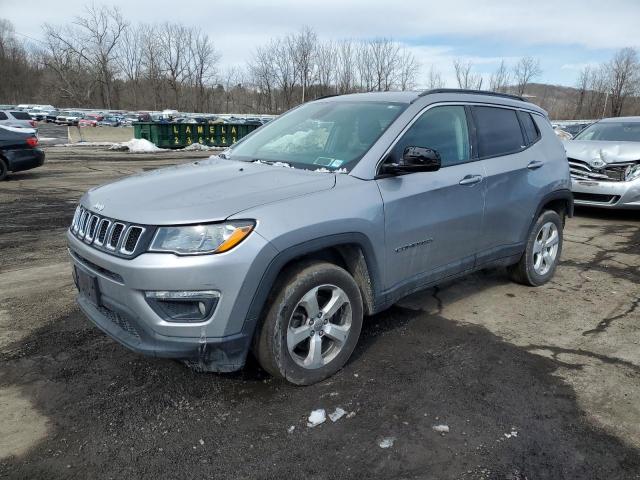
433, 219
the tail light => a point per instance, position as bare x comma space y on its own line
32, 141
33, 123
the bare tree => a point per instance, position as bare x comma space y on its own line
465, 77
624, 78
582, 86
327, 66
408, 68
434, 79
499, 80
304, 56
346, 69
524, 71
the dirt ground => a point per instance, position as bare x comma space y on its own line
535, 383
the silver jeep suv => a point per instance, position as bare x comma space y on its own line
334, 211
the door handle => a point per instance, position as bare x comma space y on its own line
535, 164
471, 180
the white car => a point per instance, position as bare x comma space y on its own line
15, 118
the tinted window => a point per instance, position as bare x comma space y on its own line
3, 116
498, 131
529, 126
443, 129
21, 115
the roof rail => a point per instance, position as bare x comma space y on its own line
471, 92
327, 96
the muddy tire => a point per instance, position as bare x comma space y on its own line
544, 247
312, 323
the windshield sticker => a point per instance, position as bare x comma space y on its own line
336, 163
325, 161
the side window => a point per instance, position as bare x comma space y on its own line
443, 129
3, 116
498, 131
529, 126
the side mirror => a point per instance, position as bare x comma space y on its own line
415, 159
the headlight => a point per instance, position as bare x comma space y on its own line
199, 239
633, 172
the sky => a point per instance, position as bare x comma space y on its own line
565, 35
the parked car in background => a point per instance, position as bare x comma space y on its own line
110, 121
605, 164
90, 120
70, 118
16, 118
383, 196
37, 115
18, 150
51, 116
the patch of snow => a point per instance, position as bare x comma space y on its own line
322, 170
316, 418
351, 414
201, 441
291, 429
441, 428
199, 147
512, 434
337, 414
341, 170
274, 164
386, 442
137, 145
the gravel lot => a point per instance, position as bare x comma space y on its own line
532, 383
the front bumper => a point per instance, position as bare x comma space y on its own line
623, 195
221, 342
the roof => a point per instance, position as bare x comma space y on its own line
441, 94
621, 119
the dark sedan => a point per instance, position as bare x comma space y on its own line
18, 150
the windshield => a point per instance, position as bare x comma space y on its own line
611, 132
330, 135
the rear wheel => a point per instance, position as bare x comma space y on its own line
542, 254
4, 169
312, 325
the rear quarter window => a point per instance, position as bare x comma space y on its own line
3, 116
498, 131
529, 126
21, 115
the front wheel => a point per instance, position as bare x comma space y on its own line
312, 325
542, 254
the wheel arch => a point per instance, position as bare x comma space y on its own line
352, 251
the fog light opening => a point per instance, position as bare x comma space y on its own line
183, 305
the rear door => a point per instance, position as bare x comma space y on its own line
507, 143
433, 219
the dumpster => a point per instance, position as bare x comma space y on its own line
180, 135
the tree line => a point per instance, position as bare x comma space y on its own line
102, 60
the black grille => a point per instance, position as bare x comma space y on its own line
595, 197
102, 232
581, 170
132, 239
121, 321
91, 230
106, 234
115, 235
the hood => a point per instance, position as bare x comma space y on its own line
608, 152
202, 191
